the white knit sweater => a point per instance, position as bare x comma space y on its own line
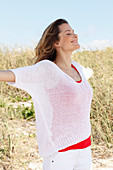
62, 106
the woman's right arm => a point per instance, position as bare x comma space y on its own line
7, 76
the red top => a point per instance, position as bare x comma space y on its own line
83, 144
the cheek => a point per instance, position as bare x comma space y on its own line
66, 41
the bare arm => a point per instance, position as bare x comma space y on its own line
7, 76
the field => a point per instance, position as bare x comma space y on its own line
18, 146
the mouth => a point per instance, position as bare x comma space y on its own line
74, 41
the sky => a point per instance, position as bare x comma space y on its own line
22, 22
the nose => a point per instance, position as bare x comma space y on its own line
75, 35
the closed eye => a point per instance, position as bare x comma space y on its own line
69, 34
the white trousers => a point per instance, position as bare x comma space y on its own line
78, 159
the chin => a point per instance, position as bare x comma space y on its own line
77, 46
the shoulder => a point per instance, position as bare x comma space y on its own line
76, 64
45, 63
42, 65
88, 72
47, 66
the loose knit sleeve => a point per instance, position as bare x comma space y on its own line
36, 77
27, 77
88, 72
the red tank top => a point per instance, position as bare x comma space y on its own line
83, 144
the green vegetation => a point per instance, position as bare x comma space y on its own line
101, 62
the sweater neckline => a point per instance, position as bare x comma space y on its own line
77, 72
72, 65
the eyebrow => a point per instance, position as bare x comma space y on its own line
69, 30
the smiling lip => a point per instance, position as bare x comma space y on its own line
74, 41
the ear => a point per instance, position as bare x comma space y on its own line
57, 44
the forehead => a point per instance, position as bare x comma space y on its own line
64, 27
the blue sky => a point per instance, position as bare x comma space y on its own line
22, 22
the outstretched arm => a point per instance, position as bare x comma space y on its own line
7, 76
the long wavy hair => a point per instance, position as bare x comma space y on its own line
45, 48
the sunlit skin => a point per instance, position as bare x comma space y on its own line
66, 45
68, 42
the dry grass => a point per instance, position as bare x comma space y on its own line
19, 145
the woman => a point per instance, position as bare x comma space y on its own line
62, 99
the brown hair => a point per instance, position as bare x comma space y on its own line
45, 48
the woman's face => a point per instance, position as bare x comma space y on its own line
68, 40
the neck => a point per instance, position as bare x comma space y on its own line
64, 61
